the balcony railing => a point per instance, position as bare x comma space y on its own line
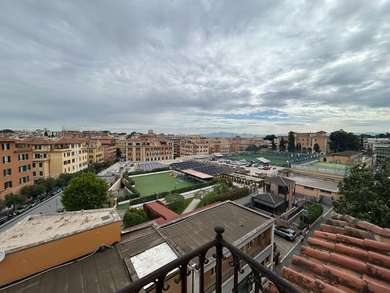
260, 276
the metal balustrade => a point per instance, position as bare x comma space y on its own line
259, 276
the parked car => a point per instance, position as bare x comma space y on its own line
286, 233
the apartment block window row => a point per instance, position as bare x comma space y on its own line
24, 168
5, 146
40, 156
24, 179
7, 184
23, 157
6, 159
7, 172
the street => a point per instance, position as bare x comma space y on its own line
50, 205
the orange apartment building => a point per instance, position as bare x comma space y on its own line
149, 147
15, 165
194, 147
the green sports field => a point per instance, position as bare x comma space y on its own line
276, 158
331, 168
161, 182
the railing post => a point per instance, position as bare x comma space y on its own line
218, 251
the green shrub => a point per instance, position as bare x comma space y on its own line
313, 212
134, 217
176, 202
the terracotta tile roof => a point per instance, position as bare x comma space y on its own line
343, 255
158, 209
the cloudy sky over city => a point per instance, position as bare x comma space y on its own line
195, 66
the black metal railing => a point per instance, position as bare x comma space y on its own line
260, 276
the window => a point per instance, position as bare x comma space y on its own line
6, 159
7, 184
40, 165
40, 173
34, 173
34, 165
7, 172
5, 146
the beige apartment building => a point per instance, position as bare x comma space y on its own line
15, 165
121, 144
194, 147
95, 152
149, 147
54, 157
108, 145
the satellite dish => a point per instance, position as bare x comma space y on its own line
2, 255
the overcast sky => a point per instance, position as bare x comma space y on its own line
195, 66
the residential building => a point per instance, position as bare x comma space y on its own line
343, 255
52, 157
276, 196
108, 144
149, 147
40, 242
120, 143
219, 145
95, 152
194, 147
382, 152
15, 165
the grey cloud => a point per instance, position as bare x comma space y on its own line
150, 63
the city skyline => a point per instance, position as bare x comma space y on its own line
257, 67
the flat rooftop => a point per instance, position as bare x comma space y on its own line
196, 229
197, 174
327, 185
37, 229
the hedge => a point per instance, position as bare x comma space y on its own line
233, 194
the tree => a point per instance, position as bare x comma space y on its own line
14, 200
365, 195
313, 212
2, 204
291, 142
49, 184
85, 192
175, 201
134, 217
270, 137
344, 141
64, 179
32, 191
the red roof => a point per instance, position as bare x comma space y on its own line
157, 208
196, 174
343, 255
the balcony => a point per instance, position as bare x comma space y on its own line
175, 274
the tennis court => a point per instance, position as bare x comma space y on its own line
160, 182
276, 158
330, 168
